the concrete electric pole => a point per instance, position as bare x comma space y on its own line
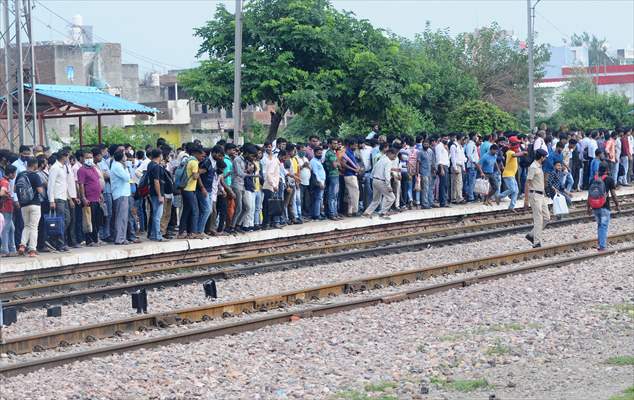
237, 109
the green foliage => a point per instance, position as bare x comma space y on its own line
480, 117
621, 360
628, 394
597, 48
380, 386
495, 59
137, 135
582, 106
460, 385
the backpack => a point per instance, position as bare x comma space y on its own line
180, 176
24, 189
597, 194
143, 188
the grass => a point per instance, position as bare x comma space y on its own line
357, 395
498, 349
380, 386
507, 327
628, 394
621, 360
461, 385
626, 309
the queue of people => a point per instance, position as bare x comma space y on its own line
116, 194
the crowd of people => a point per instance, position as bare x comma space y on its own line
116, 194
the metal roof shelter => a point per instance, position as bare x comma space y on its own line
70, 101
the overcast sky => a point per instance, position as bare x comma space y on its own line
157, 34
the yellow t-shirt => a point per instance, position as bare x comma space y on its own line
192, 168
510, 168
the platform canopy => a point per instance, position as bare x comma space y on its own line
70, 101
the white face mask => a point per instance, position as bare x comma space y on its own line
89, 162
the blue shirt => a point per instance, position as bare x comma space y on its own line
484, 147
318, 170
594, 167
425, 160
487, 162
351, 161
549, 164
119, 180
105, 168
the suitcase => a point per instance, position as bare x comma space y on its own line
276, 206
54, 224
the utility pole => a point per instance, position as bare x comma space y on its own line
20, 105
531, 67
237, 108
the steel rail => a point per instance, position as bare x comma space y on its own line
100, 287
286, 317
92, 332
183, 259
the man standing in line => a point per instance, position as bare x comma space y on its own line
89, 182
120, 181
381, 187
331, 165
317, 184
626, 157
471, 151
534, 195
458, 160
442, 160
31, 211
58, 196
157, 194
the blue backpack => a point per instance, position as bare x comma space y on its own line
180, 176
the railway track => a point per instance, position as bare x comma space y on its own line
268, 302
218, 311
194, 258
91, 288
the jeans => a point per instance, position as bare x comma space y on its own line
204, 210
317, 197
625, 164
523, 174
248, 205
267, 195
259, 198
511, 190
333, 195
189, 217
8, 234
140, 211
154, 229
602, 216
121, 207
443, 185
568, 182
105, 230
426, 192
238, 213
221, 207
304, 193
498, 182
132, 225
469, 183
298, 202
367, 189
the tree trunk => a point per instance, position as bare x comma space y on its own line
276, 119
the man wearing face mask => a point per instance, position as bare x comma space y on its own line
88, 180
442, 159
120, 183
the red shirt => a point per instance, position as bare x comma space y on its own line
6, 203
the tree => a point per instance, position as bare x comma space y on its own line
500, 66
480, 117
307, 57
597, 54
583, 107
137, 135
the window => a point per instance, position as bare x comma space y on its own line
204, 108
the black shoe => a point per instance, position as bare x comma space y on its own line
530, 238
536, 246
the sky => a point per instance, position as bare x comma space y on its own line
158, 34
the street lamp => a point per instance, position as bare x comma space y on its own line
530, 16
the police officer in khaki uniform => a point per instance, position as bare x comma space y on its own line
535, 196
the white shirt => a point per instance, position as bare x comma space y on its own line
630, 139
442, 156
57, 182
540, 144
72, 180
366, 157
592, 148
458, 157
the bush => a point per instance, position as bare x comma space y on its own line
480, 117
137, 135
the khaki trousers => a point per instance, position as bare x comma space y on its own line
167, 214
352, 193
456, 186
541, 215
381, 193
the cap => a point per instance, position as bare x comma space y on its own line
541, 152
514, 140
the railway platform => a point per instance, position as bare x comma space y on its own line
112, 253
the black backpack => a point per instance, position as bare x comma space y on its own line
24, 189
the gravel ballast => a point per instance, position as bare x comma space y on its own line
544, 335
